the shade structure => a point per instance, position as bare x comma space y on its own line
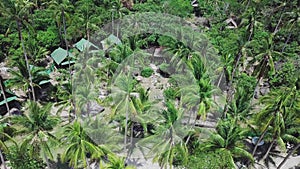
109, 41
85, 44
8, 100
60, 54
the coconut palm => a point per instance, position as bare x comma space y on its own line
116, 162
263, 61
20, 156
16, 11
60, 8
279, 104
167, 143
289, 154
2, 88
37, 123
3, 146
24, 78
227, 139
123, 101
79, 145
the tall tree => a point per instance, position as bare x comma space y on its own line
17, 11
227, 139
60, 8
121, 91
278, 105
38, 124
79, 145
167, 142
2, 87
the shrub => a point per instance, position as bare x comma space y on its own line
170, 93
147, 72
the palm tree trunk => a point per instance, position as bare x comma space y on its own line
47, 160
260, 138
286, 157
66, 42
26, 59
126, 130
4, 96
269, 149
2, 160
87, 163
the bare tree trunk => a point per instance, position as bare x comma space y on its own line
2, 160
269, 149
126, 130
47, 160
260, 138
4, 96
66, 43
286, 157
26, 59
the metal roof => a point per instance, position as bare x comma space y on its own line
83, 44
60, 55
109, 41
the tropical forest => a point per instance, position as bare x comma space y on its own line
149, 84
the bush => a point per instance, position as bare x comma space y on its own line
203, 160
23, 160
170, 93
147, 72
181, 8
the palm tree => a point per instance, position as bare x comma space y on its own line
20, 156
279, 104
167, 142
59, 9
286, 157
116, 162
79, 145
17, 11
2, 88
263, 61
121, 93
3, 146
227, 139
24, 78
38, 124
119, 10
86, 16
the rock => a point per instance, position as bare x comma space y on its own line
15, 111
134, 94
264, 90
139, 78
163, 72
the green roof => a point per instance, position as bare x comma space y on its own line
83, 43
110, 40
44, 82
60, 55
67, 62
8, 100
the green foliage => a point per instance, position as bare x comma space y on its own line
211, 159
170, 93
48, 38
148, 6
181, 8
285, 76
147, 72
19, 158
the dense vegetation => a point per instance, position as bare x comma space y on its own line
258, 43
